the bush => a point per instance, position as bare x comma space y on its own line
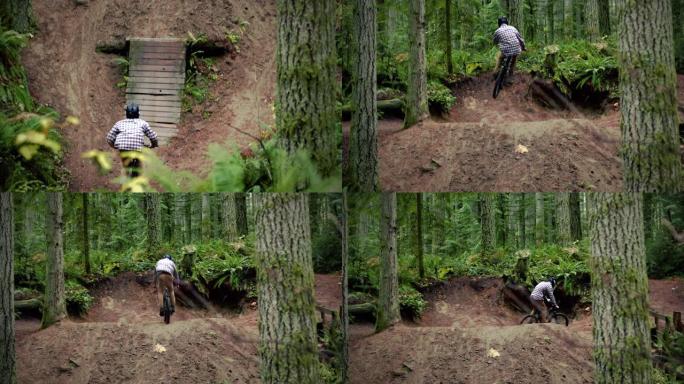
78, 299
440, 97
411, 302
664, 256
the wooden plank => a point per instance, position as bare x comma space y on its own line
156, 40
161, 48
153, 85
137, 97
159, 80
163, 62
159, 68
157, 109
165, 131
161, 119
146, 91
155, 74
153, 105
157, 55
165, 125
161, 116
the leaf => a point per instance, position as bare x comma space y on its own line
521, 149
493, 353
159, 348
29, 143
100, 158
73, 120
28, 151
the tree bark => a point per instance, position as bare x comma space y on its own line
487, 225
188, 217
241, 214
563, 232
604, 17
650, 138
344, 309
513, 218
416, 108
593, 29
619, 285
306, 64
16, 15
388, 290
55, 303
575, 216
447, 36
229, 217
517, 14
153, 215
568, 20
86, 238
288, 347
206, 217
363, 141
7, 349
419, 235
539, 219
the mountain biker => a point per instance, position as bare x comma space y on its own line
510, 44
128, 135
164, 274
541, 292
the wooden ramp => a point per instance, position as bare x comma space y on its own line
156, 75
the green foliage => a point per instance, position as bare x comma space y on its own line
440, 97
201, 73
78, 299
411, 302
665, 257
217, 262
123, 64
326, 249
575, 66
670, 345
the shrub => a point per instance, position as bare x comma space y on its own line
440, 97
78, 299
411, 302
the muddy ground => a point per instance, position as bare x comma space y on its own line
67, 73
463, 329
120, 339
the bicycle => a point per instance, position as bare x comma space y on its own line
132, 164
555, 316
167, 306
501, 77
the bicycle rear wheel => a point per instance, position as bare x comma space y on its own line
529, 319
167, 306
560, 318
505, 64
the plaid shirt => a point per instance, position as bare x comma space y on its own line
509, 40
129, 134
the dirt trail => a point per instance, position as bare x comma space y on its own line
116, 341
464, 320
67, 73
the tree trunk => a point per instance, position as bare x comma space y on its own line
604, 17
229, 217
440, 212
344, 308
188, 217
206, 217
513, 218
650, 137
388, 290
86, 238
153, 214
622, 346
16, 15
575, 216
593, 29
551, 20
416, 108
7, 351
539, 219
419, 235
288, 348
568, 20
563, 232
168, 222
305, 101
55, 304
517, 14
488, 228
241, 214
363, 142
447, 36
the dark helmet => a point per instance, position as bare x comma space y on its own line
132, 111
553, 282
503, 20
167, 256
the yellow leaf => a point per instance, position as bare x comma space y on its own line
28, 150
101, 159
36, 138
493, 353
159, 348
521, 149
73, 120
46, 123
137, 184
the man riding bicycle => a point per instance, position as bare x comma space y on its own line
164, 274
511, 44
128, 135
541, 292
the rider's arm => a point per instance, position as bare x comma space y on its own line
111, 136
496, 37
151, 134
551, 297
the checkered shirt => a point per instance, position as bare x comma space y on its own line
129, 134
509, 40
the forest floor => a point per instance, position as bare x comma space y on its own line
466, 325
67, 73
121, 338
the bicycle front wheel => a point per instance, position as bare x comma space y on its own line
167, 306
529, 319
560, 318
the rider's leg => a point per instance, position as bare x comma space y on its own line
499, 60
167, 282
538, 305
160, 294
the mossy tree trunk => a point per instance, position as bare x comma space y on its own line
363, 143
7, 350
55, 304
288, 348
619, 287
153, 215
168, 222
84, 233
187, 217
604, 17
16, 15
229, 217
539, 219
650, 138
575, 216
516, 12
206, 218
541, 16
513, 218
438, 223
592, 15
344, 307
563, 231
306, 63
241, 214
447, 36
416, 108
568, 20
487, 223
388, 290
418, 233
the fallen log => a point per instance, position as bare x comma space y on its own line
362, 311
547, 94
393, 107
28, 305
